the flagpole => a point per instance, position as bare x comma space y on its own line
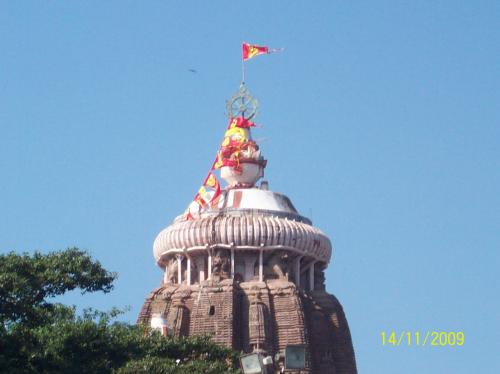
243, 63
242, 71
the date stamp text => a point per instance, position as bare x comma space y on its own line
423, 339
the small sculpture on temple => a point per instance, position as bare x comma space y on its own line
194, 272
319, 279
171, 271
221, 264
277, 266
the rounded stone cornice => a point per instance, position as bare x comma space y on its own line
242, 232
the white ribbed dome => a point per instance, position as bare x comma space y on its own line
250, 219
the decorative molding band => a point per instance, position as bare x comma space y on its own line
246, 232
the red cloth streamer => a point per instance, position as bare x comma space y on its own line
228, 155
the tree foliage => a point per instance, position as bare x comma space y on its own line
39, 336
27, 281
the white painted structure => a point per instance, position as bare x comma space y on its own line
254, 224
251, 224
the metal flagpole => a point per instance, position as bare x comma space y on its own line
242, 70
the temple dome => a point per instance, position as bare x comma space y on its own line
249, 218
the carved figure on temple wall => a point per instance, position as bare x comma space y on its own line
278, 265
172, 270
221, 264
258, 322
178, 317
194, 272
319, 278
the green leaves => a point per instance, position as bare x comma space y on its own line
83, 345
27, 281
37, 336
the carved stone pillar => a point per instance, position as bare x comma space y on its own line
179, 267
311, 276
209, 264
261, 266
188, 271
297, 271
232, 263
165, 274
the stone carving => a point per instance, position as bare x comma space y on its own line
221, 264
277, 265
199, 264
194, 272
258, 322
178, 317
172, 270
167, 293
319, 278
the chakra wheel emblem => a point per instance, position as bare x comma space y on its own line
242, 104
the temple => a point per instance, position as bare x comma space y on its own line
243, 265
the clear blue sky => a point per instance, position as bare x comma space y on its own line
381, 122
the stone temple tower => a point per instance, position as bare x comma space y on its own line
244, 266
